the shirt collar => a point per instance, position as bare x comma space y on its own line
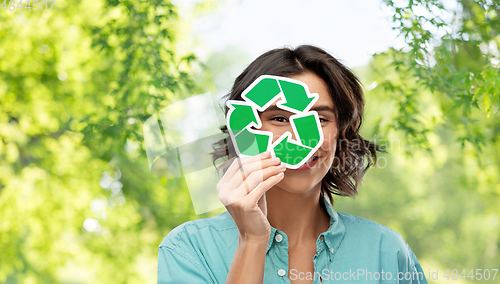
332, 237
335, 234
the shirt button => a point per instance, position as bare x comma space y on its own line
281, 272
331, 250
279, 238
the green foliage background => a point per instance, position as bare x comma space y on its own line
76, 84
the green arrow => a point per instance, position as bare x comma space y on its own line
251, 144
263, 92
296, 96
308, 135
290, 153
241, 116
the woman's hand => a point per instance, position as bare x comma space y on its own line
242, 191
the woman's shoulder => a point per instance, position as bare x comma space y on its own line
368, 230
368, 240
207, 230
198, 251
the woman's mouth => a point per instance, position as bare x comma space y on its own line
309, 164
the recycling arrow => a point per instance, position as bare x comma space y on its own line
290, 152
242, 115
262, 92
309, 136
296, 97
251, 144
291, 95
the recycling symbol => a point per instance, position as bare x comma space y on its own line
243, 120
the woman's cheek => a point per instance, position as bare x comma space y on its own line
328, 144
330, 141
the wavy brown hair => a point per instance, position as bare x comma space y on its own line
353, 155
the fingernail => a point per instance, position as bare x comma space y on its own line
276, 160
282, 166
265, 154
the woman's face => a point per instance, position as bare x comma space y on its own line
278, 122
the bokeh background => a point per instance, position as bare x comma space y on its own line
78, 203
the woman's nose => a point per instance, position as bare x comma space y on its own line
277, 135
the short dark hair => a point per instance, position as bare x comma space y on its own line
352, 152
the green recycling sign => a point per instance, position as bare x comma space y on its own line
243, 120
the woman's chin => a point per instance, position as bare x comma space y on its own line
295, 184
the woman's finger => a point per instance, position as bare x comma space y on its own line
255, 178
231, 194
239, 162
248, 169
264, 186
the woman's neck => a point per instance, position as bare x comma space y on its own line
299, 215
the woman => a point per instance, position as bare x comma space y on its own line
280, 226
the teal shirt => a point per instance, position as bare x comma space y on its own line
352, 250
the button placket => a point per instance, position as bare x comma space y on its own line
281, 272
278, 238
281, 253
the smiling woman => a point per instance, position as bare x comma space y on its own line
280, 226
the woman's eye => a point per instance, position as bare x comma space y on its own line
280, 119
284, 119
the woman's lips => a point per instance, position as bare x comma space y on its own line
307, 166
